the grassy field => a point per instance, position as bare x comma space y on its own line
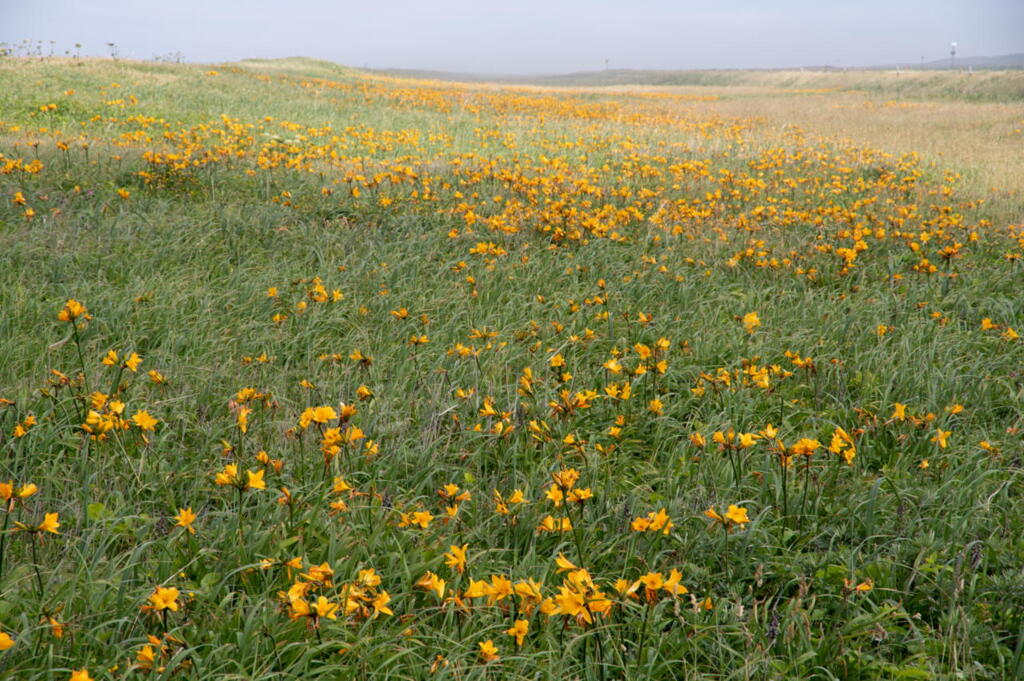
972, 123
312, 373
982, 85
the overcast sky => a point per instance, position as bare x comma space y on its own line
528, 36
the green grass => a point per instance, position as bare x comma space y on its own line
179, 272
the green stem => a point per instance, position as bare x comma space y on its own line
81, 362
35, 564
575, 533
83, 480
643, 640
3, 540
241, 498
803, 501
785, 490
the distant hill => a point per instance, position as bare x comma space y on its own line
1005, 61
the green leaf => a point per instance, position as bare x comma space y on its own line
98, 511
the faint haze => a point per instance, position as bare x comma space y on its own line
528, 36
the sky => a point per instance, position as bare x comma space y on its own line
527, 36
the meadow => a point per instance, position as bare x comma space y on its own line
307, 372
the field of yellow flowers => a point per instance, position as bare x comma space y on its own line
348, 376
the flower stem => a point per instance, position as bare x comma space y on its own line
35, 564
81, 362
643, 640
3, 540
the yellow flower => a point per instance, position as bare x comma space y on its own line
5, 640
298, 606
72, 310
941, 437
420, 518
488, 651
324, 608
317, 415
146, 657
133, 362
255, 480
228, 476
673, 584
320, 574
164, 598
144, 421
613, 365
842, 444
563, 563
747, 440
456, 558
579, 495
476, 589
369, 577
518, 630
552, 524
572, 603
654, 522
49, 524
566, 478
555, 495
751, 321
185, 519
737, 515
432, 582
804, 447
242, 418
380, 604
56, 627
652, 582
80, 675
